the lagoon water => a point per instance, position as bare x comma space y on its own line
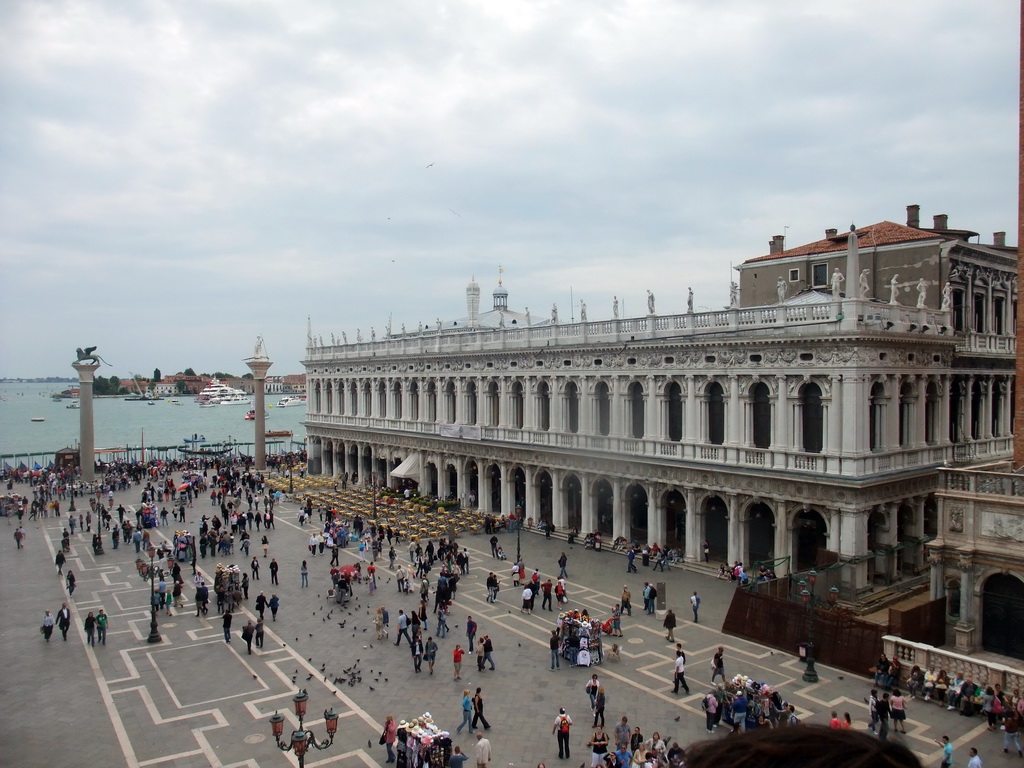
119, 423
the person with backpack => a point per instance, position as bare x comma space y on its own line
563, 723
710, 706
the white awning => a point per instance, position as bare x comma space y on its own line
411, 468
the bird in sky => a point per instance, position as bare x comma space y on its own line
455, 212
431, 164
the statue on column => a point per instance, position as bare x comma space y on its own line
88, 355
863, 284
894, 290
947, 297
583, 311
734, 295
689, 300
615, 307
780, 289
527, 317
554, 314
359, 335
837, 282
344, 337
373, 334
922, 292
650, 302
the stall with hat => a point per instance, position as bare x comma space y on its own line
579, 638
422, 744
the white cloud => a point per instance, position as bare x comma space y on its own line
175, 168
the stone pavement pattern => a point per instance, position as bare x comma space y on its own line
194, 700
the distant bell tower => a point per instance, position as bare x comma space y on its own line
473, 302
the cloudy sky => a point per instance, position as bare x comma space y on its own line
178, 177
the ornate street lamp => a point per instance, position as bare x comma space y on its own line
807, 598
302, 738
150, 573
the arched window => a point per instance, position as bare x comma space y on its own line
414, 401
876, 417
471, 402
977, 400
572, 406
449, 402
716, 413
761, 415
906, 425
997, 406
674, 398
931, 414
396, 400
603, 401
431, 402
636, 409
811, 417
493, 404
516, 400
543, 406
382, 400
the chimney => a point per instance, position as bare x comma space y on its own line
831, 233
999, 238
777, 245
941, 221
913, 215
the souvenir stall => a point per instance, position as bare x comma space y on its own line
579, 638
343, 578
228, 577
422, 744
764, 704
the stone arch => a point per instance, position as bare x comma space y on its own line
714, 405
637, 406
493, 504
545, 497
760, 534
603, 406
674, 535
637, 514
716, 526
674, 410
543, 406
760, 395
1002, 614
602, 498
572, 487
571, 393
812, 418
810, 536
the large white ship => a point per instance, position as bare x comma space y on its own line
218, 393
291, 400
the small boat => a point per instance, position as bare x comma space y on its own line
73, 405
194, 439
291, 400
278, 433
251, 415
37, 418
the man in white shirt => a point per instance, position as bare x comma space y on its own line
680, 673
482, 753
975, 761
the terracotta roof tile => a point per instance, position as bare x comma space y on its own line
882, 233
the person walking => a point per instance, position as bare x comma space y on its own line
259, 632
553, 643
695, 606
718, 664
101, 627
599, 701
679, 677
64, 621
90, 629
599, 746
899, 712
947, 752
416, 648
563, 561
457, 655
488, 650
390, 735
482, 753
1011, 735
304, 573
248, 633
402, 622
467, 712
261, 604
227, 626
71, 581
561, 728
430, 654
478, 711
884, 709
254, 566
627, 607
274, 603
59, 560
670, 625
48, 622
630, 557
975, 761
710, 706
19, 537
471, 627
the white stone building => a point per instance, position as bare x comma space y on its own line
799, 432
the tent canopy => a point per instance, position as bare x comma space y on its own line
411, 468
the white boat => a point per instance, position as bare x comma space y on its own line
74, 405
216, 390
290, 400
240, 399
37, 418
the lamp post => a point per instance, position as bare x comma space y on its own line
154, 634
303, 738
807, 598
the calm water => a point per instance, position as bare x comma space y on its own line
119, 423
